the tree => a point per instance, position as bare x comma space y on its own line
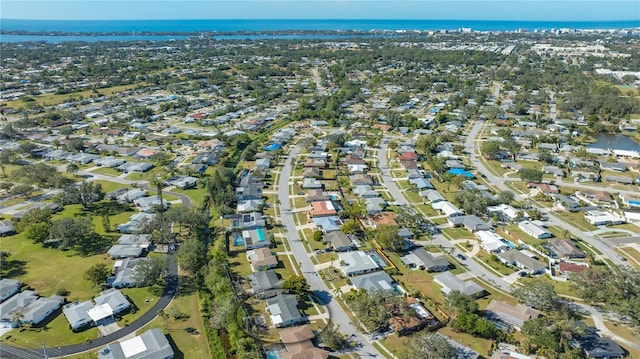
72, 168
22, 190
6, 157
472, 201
73, 232
429, 345
388, 238
460, 303
34, 215
490, 149
192, 255
296, 283
531, 175
456, 181
148, 271
506, 197
351, 226
513, 147
538, 293
332, 338
97, 274
85, 194
37, 232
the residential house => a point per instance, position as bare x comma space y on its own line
432, 196
613, 166
265, 284
544, 188
365, 192
361, 180
138, 240
554, 170
246, 221
447, 208
82, 158
491, 241
379, 281
322, 209
7, 229
113, 299
124, 251
450, 282
131, 195
311, 172
513, 315
375, 205
356, 262
311, 183
340, 242
298, 345
283, 310
125, 273
619, 179
182, 182
250, 205
151, 344
471, 222
77, 314
421, 259
8, 287
595, 346
149, 204
256, 238
421, 183
567, 203
504, 211
568, 268
315, 195
603, 218
534, 230
38, 311
519, 259
136, 223
261, 258
327, 224
129, 167
565, 248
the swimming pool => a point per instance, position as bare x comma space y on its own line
460, 172
272, 355
262, 236
509, 243
238, 241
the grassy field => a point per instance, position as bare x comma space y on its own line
53, 99
48, 269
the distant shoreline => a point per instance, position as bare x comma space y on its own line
252, 27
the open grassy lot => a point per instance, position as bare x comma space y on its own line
457, 233
48, 269
576, 219
107, 171
195, 194
56, 333
53, 99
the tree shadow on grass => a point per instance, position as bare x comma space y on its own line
177, 354
109, 207
97, 245
187, 285
12, 268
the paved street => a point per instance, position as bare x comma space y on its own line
320, 289
471, 145
477, 269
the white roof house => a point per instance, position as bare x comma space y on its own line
357, 262
8, 287
450, 282
504, 211
77, 314
534, 230
447, 208
152, 344
491, 242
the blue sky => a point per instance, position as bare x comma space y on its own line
551, 10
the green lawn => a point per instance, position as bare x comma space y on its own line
107, 171
56, 333
48, 269
457, 233
109, 186
194, 194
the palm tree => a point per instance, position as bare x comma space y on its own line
17, 318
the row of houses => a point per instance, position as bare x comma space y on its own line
24, 307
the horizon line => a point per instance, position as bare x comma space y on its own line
326, 19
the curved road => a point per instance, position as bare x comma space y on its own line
170, 290
320, 289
